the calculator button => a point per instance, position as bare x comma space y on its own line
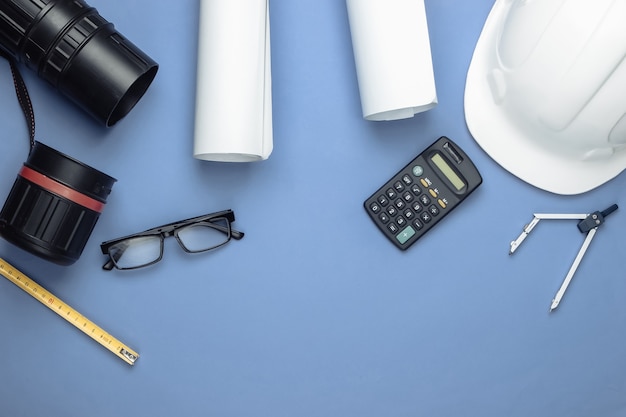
434, 210
391, 194
400, 204
407, 196
392, 211
400, 221
425, 216
442, 203
407, 179
417, 207
417, 224
424, 182
406, 234
375, 207
433, 192
393, 228
398, 186
424, 199
383, 217
415, 189
418, 170
408, 214
383, 200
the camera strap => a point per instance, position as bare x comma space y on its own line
22, 97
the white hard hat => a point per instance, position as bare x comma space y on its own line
546, 91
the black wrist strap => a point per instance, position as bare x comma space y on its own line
22, 97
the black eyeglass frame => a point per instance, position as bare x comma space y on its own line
171, 229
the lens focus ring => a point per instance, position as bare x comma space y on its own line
16, 18
66, 48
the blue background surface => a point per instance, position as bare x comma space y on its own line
314, 312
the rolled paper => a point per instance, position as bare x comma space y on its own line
393, 59
233, 120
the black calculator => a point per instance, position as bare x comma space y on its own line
423, 192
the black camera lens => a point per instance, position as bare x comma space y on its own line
54, 205
67, 43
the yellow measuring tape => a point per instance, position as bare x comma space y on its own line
68, 313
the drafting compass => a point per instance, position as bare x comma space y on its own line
588, 223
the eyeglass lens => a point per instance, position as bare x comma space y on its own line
144, 250
135, 252
204, 236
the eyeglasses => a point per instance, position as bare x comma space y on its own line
198, 234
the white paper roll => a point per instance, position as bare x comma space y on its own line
234, 89
393, 58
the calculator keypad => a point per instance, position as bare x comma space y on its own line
411, 208
409, 204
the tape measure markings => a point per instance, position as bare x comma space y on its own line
68, 313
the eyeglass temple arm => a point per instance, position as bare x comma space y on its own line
235, 234
109, 264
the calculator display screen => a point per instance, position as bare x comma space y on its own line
443, 166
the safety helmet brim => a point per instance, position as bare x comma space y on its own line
509, 146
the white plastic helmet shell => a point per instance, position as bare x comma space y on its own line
546, 91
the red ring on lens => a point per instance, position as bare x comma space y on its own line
62, 190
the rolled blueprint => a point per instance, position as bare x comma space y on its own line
233, 120
392, 56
